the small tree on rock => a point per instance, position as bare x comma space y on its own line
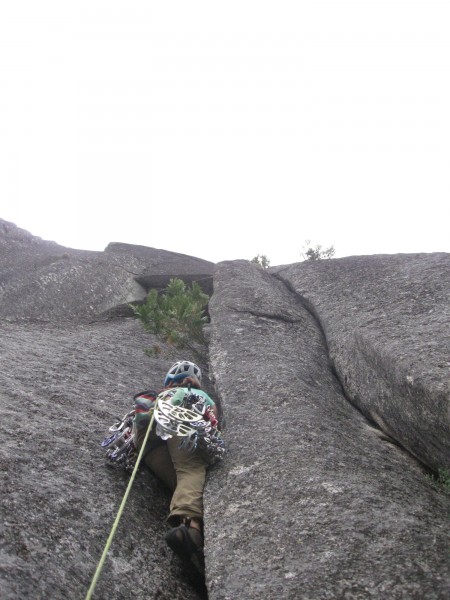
261, 260
177, 315
316, 252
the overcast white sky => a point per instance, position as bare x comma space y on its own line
227, 129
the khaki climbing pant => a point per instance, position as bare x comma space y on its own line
184, 473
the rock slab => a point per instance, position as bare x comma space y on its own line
310, 503
43, 281
386, 320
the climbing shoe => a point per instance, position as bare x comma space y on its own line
187, 542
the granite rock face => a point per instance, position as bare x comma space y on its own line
333, 382
44, 281
157, 267
386, 320
65, 374
61, 387
311, 502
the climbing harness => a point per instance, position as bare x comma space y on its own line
192, 420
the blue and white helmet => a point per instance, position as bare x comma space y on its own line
182, 369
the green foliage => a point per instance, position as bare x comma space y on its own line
443, 479
261, 260
316, 252
177, 316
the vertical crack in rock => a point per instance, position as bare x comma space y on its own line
308, 503
386, 321
383, 434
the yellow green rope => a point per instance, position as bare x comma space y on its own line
119, 514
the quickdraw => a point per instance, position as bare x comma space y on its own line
121, 446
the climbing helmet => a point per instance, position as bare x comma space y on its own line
182, 369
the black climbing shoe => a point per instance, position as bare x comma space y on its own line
184, 541
187, 542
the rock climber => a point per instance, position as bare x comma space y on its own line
183, 471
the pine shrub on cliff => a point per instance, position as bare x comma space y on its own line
177, 316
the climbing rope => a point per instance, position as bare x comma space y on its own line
119, 515
194, 423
